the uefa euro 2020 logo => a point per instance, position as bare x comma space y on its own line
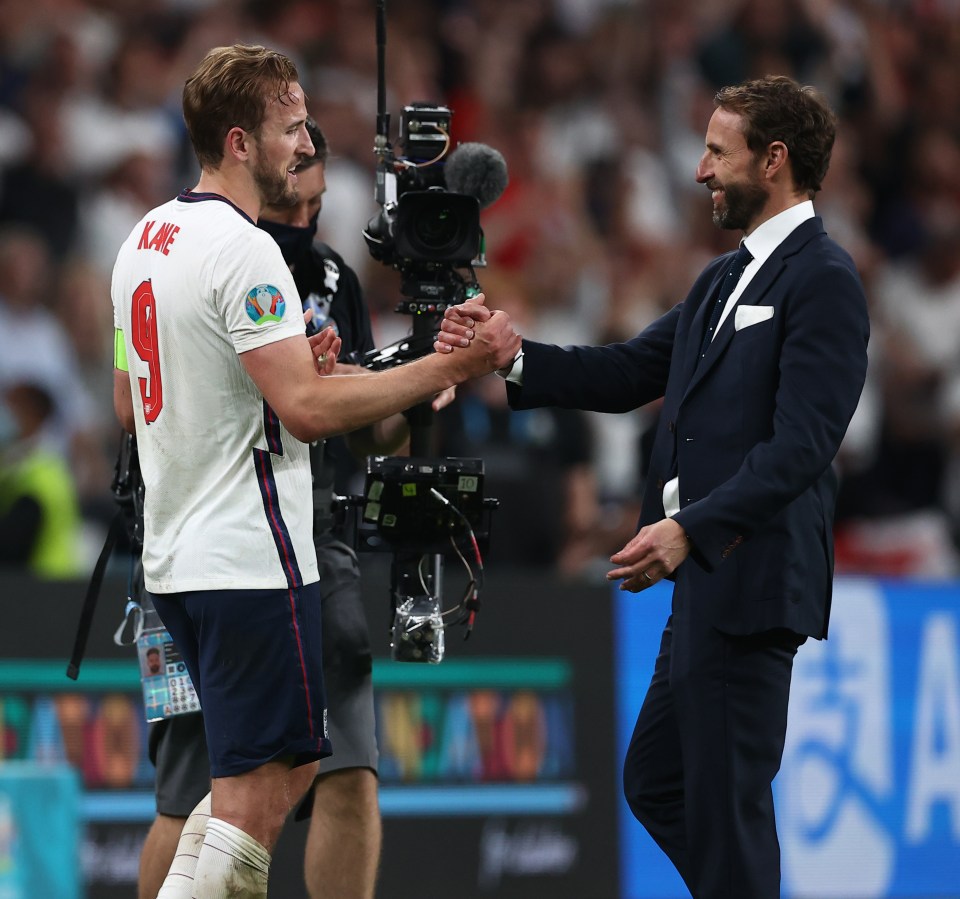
265, 304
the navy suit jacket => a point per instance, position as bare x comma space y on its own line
752, 428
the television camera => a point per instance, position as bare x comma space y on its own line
419, 508
428, 227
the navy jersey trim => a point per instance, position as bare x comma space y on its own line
278, 527
271, 430
189, 196
295, 624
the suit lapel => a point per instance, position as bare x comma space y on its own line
754, 292
699, 323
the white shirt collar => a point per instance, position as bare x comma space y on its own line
774, 231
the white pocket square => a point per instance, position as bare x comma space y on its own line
751, 315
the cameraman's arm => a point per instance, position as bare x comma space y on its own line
311, 406
391, 436
382, 438
385, 438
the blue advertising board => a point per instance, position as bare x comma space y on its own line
39, 851
868, 796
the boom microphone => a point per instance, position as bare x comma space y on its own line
478, 171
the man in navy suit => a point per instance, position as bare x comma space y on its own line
760, 369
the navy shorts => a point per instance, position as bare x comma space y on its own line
178, 747
254, 658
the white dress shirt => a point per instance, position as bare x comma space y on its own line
761, 244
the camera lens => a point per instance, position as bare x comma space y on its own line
439, 229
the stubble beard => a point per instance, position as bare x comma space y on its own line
742, 204
274, 188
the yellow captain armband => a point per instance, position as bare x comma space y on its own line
119, 351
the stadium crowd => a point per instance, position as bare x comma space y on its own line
599, 108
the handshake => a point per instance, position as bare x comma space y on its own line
473, 341
481, 339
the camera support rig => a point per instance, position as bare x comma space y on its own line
416, 507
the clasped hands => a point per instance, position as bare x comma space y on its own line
487, 335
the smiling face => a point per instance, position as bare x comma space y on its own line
280, 144
733, 174
311, 186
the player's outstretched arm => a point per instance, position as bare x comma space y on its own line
312, 407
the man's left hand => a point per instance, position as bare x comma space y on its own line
444, 398
325, 346
655, 552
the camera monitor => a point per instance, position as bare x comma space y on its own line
401, 513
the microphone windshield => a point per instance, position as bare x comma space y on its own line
478, 171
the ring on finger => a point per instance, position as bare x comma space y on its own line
322, 359
647, 576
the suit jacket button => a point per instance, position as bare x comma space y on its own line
671, 427
660, 484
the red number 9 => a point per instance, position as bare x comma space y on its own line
144, 337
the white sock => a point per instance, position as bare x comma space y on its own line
232, 865
178, 883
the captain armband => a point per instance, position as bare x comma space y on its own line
119, 351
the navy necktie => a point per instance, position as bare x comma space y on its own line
741, 260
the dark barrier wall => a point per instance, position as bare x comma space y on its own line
499, 776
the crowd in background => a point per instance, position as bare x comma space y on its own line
599, 108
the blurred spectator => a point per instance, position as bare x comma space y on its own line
79, 303
39, 515
130, 114
34, 345
918, 305
896, 510
38, 192
136, 184
598, 107
762, 36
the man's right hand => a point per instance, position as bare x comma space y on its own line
494, 345
471, 323
457, 325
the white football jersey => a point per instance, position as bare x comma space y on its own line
228, 491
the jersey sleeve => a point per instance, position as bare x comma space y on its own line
255, 293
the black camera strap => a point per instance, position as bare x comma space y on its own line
127, 489
117, 527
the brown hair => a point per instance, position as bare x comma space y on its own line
230, 88
777, 108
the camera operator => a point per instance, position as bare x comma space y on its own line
343, 843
